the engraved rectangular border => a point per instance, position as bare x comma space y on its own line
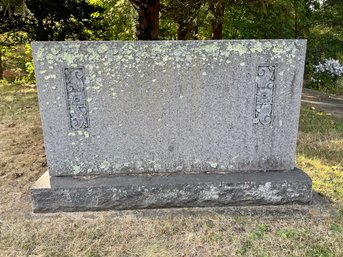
66, 95
276, 65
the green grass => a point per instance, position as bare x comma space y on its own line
117, 234
17, 101
320, 152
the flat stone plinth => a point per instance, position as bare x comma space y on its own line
119, 192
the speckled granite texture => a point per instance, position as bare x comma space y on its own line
120, 192
169, 106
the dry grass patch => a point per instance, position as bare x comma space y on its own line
22, 161
22, 157
205, 235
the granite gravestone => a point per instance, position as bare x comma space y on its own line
169, 124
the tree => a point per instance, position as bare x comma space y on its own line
53, 20
325, 42
331, 14
217, 8
117, 19
13, 57
13, 6
147, 26
185, 14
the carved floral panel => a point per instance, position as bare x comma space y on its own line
265, 84
76, 98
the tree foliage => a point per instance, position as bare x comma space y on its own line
52, 20
319, 21
14, 7
118, 18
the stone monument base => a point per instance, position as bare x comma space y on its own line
119, 192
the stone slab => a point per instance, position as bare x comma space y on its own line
169, 106
319, 207
119, 192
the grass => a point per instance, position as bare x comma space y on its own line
320, 152
22, 161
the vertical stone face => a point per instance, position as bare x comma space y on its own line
169, 106
212, 114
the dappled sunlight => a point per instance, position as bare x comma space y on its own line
22, 161
320, 152
17, 102
311, 230
326, 179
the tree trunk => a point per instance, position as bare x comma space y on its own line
41, 33
148, 19
217, 8
184, 31
217, 30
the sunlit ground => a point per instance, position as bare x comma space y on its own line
22, 161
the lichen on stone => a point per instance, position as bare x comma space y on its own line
213, 165
105, 165
76, 169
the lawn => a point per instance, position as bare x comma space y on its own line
22, 161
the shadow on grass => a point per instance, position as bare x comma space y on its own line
320, 136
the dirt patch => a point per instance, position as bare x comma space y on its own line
22, 157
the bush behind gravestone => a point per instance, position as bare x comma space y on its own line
328, 75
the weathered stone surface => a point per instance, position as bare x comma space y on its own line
134, 125
168, 106
51, 194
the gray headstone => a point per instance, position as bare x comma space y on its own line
169, 124
169, 106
